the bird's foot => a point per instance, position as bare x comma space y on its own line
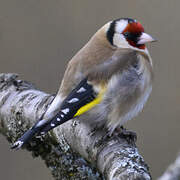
120, 131
129, 135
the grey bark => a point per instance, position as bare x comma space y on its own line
69, 151
173, 171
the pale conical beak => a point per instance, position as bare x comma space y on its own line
145, 38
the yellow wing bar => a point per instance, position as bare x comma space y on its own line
93, 103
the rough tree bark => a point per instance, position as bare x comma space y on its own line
68, 151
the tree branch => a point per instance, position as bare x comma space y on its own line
173, 171
69, 151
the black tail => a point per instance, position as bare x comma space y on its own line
25, 138
80, 96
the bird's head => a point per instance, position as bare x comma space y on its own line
127, 33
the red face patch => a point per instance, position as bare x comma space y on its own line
134, 27
134, 30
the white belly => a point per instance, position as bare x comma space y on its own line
137, 107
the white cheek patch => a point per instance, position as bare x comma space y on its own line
120, 41
121, 25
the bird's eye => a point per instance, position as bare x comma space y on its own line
131, 21
126, 34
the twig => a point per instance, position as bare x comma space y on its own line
173, 171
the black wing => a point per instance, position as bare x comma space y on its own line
80, 96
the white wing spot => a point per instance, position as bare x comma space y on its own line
42, 133
73, 100
62, 115
52, 124
82, 89
65, 111
18, 144
58, 119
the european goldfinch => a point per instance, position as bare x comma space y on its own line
106, 83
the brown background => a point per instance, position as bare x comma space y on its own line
38, 37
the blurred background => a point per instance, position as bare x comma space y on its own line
38, 37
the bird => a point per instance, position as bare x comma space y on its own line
105, 84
